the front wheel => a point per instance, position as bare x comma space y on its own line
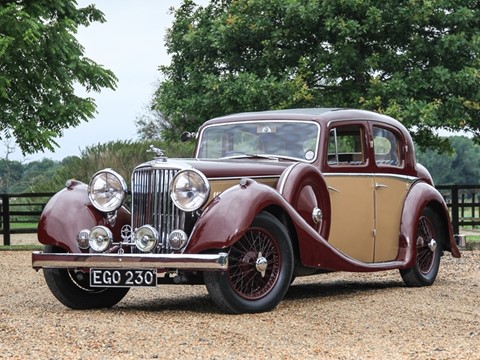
260, 267
429, 249
71, 287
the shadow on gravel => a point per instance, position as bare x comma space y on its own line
203, 304
338, 288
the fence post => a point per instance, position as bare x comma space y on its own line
6, 219
455, 220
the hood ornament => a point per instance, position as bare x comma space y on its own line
159, 154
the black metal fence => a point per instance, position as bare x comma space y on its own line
20, 212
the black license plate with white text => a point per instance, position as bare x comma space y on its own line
123, 277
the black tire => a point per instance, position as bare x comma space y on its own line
244, 287
71, 288
427, 263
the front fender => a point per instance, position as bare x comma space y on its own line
230, 214
70, 211
420, 196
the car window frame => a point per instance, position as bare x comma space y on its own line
366, 149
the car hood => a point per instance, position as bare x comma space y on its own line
236, 167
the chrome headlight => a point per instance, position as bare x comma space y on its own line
107, 190
146, 238
189, 190
100, 238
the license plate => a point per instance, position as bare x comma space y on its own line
123, 277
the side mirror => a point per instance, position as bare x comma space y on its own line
187, 136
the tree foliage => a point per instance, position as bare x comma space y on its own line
415, 60
460, 167
40, 62
121, 156
150, 124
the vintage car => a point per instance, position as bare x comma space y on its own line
269, 196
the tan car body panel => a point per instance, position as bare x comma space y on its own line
348, 198
350, 195
390, 194
217, 186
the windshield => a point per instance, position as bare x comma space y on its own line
277, 139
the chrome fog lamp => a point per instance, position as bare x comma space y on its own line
146, 238
83, 239
107, 190
177, 239
100, 238
189, 190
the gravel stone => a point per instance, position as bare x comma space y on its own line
330, 316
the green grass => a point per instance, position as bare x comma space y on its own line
473, 237
29, 225
20, 247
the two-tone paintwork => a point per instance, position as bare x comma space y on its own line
369, 212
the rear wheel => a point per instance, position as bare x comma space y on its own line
71, 287
260, 267
429, 249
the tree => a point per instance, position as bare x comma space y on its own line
150, 124
460, 167
40, 62
417, 61
149, 128
121, 156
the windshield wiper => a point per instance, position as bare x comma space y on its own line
259, 156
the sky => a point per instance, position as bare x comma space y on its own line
131, 44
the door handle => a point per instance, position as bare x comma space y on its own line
379, 186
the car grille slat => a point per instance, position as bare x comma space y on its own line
151, 202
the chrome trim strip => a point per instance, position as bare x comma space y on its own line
125, 261
266, 177
407, 178
281, 185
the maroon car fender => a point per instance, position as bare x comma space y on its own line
229, 215
420, 196
70, 211
304, 187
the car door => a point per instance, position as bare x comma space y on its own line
351, 188
391, 189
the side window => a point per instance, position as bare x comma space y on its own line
346, 146
387, 148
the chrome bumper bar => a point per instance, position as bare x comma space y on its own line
208, 262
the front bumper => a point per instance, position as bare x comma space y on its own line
195, 262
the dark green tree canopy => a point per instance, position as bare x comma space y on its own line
417, 61
40, 62
461, 167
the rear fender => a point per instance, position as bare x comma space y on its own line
70, 211
420, 196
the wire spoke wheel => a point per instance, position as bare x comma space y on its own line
244, 274
425, 255
429, 239
260, 268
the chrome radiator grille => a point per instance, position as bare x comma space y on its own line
151, 202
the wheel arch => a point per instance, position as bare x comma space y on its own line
420, 196
445, 223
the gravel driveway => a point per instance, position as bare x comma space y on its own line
334, 316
